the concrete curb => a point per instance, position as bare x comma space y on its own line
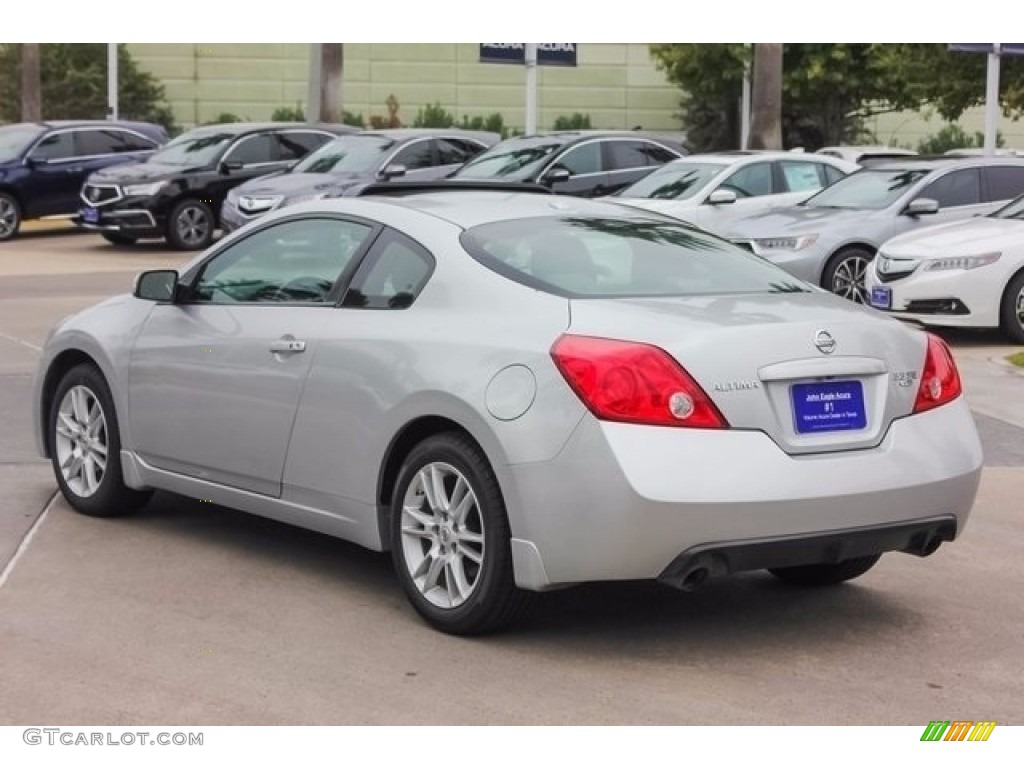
46, 225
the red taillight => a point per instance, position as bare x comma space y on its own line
632, 382
940, 381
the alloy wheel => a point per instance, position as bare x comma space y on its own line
193, 225
442, 535
81, 441
848, 278
8, 218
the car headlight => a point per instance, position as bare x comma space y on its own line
143, 190
962, 262
252, 205
766, 245
303, 199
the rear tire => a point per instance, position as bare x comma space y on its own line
10, 217
190, 225
85, 446
116, 238
1011, 310
450, 539
844, 274
826, 574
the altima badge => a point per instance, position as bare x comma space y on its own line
824, 342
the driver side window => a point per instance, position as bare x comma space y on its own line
750, 181
298, 261
586, 158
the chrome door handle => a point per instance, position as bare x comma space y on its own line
287, 346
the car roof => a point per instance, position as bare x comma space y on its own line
402, 134
468, 209
941, 162
579, 135
237, 129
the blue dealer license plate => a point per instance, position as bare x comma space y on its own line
881, 297
89, 215
828, 406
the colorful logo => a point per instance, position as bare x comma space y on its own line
958, 730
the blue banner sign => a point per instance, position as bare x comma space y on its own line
548, 54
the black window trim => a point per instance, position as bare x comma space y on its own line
74, 143
369, 261
567, 148
411, 142
189, 278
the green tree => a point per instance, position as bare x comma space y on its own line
433, 116
574, 122
952, 136
828, 90
74, 85
954, 81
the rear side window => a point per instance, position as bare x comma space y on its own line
1005, 182
596, 257
801, 176
110, 142
634, 154
294, 145
956, 188
393, 274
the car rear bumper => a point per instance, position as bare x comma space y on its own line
648, 495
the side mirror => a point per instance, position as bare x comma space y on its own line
922, 206
393, 171
228, 166
156, 285
556, 176
722, 197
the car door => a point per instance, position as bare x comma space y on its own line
215, 379
629, 160
249, 157
57, 175
750, 183
362, 370
419, 158
585, 164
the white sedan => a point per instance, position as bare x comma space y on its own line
712, 190
965, 274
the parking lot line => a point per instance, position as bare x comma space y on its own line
29, 535
20, 341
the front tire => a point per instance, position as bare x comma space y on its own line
1011, 309
450, 539
844, 274
190, 226
85, 446
826, 574
10, 217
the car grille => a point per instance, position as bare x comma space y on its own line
96, 194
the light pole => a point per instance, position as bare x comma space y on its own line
111, 81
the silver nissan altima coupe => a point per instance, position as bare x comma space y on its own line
514, 392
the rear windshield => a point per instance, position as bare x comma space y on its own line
596, 257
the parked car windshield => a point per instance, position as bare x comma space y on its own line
15, 139
514, 159
598, 257
1012, 210
868, 189
192, 150
347, 155
675, 181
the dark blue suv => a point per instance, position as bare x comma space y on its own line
43, 165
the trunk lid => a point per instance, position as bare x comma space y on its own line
814, 372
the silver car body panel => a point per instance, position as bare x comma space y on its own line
207, 410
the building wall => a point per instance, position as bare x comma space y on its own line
616, 84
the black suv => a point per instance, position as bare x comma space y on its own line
177, 192
43, 165
583, 163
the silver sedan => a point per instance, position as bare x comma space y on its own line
512, 393
832, 237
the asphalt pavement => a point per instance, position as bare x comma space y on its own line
194, 614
